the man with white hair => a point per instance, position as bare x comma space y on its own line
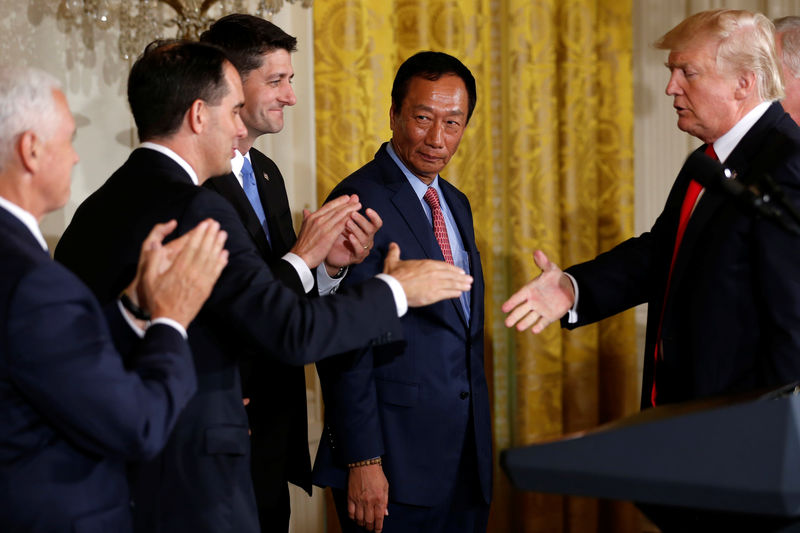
721, 283
787, 42
72, 410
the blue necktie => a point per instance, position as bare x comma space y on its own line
251, 191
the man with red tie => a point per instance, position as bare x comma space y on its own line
721, 283
407, 441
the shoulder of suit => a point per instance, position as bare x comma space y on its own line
37, 272
261, 160
20, 256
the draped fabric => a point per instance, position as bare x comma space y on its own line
546, 161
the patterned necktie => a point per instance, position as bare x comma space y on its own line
439, 227
689, 201
251, 191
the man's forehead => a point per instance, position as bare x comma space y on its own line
276, 60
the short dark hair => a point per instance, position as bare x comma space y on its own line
166, 80
246, 38
431, 66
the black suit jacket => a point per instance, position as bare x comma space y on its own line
419, 408
71, 414
277, 391
732, 316
201, 482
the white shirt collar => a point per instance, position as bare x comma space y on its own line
26, 218
237, 162
725, 144
175, 157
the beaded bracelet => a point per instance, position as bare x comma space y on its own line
366, 462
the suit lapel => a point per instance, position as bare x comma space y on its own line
463, 218
408, 205
712, 201
269, 193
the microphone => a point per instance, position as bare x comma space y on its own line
764, 196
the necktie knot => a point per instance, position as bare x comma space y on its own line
432, 198
710, 152
247, 171
439, 227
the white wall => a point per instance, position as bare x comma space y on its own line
95, 77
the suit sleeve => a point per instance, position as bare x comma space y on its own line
627, 275
288, 327
63, 360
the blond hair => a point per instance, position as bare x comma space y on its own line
745, 43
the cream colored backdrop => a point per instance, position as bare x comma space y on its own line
547, 161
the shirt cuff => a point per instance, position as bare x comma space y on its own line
136, 329
325, 283
399, 294
160, 320
300, 266
171, 323
572, 314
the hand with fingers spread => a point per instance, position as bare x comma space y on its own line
426, 281
367, 496
175, 280
355, 243
321, 229
543, 300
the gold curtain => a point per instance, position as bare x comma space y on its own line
546, 161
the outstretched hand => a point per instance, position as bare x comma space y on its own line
425, 281
543, 300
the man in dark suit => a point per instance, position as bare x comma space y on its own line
72, 411
185, 98
410, 433
275, 391
720, 282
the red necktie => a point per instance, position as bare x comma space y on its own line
439, 228
689, 202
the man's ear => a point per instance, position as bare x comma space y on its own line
197, 116
391, 117
29, 149
746, 85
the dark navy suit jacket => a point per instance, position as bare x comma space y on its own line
414, 409
732, 318
201, 482
71, 414
277, 391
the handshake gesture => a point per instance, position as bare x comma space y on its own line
543, 300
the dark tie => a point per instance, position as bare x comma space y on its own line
439, 227
251, 191
689, 201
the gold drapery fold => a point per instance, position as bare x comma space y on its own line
546, 161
